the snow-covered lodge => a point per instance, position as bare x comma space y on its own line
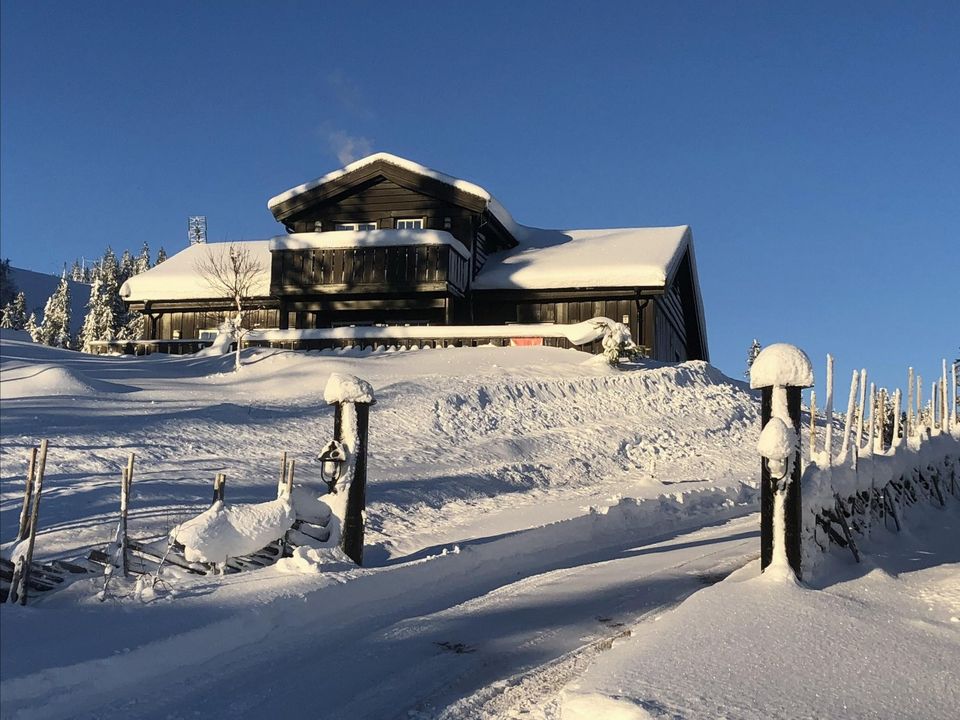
387, 243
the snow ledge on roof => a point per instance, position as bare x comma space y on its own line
367, 238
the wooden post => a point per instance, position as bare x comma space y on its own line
881, 419
122, 528
919, 403
353, 526
848, 421
24, 529
283, 473
813, 424
945, 406
863, 404
34, 516
909, 429
219, 487
289, 483
897, 401
792, 507
828, 437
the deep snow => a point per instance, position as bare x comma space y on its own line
526, 506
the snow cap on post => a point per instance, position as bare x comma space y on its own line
781, 364
343, 388
777, 441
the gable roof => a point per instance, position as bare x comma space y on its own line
616, 257
178, 277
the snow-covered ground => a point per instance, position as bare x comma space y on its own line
526, 507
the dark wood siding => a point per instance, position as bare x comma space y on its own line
385, 270
384, 202
670, 341
187, 324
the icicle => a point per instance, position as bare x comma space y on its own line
828, 412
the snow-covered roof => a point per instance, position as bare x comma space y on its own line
463, 185
623, 257
495, 208
177, 278
366, 238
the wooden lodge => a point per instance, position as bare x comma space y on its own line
386, 243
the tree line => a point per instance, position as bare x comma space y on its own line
106, 318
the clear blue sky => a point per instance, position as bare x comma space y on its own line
814, 147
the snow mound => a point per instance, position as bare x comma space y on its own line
781, 364
233, 531
38, 381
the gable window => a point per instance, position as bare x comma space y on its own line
410, 224
357, 226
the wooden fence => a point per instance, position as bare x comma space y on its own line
888, 459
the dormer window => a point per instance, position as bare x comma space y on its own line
357, 226
410, 224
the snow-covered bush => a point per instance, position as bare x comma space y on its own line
618, 344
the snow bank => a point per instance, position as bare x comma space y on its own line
44, 380
781, 364
347, 388
226, 531
577, 333
367, 238
882, 644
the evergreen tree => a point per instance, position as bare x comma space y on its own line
752, 353
142, 262
76, 272
93, 321
161, 256
15, 313
55, 329
126, 267
8, 288
32, 327
113, 313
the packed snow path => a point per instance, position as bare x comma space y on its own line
413, 638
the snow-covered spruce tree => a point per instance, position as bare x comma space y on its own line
32, 328
15, 313
161, 256
142, 262
93, 321
8, 289
76, 271
114, 313
126, 268
55, 329
232, 271
752, 353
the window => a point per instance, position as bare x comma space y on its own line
357, 226
410, 224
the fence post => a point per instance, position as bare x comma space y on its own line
24, 529
780, 371
34, 518
351, 398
